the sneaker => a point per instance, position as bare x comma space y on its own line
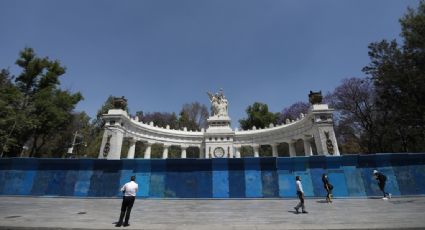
296, 210
385, 198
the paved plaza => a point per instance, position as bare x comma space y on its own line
72, 213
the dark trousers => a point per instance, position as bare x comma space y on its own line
301, 204
382, 187
127, 204
328, 194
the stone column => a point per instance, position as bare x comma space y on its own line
165, 151
183, 148
256, 148
292, 152
238, 151
323, 137
274, 149
230, 152
207, 152
111, 143
307, 147
148, 150
201, 152
131, 149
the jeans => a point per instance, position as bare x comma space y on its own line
301, 204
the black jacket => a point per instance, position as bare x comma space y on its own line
381, 178
326, 183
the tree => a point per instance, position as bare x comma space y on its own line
258, 116
10, 100
357, 117
94, 138
197, 113
293, 111
107, 105
161, 119
398, 74
41, 108
79, 128
184, 121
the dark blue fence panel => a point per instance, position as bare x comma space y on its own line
253, 185
269, 177
142, 170
351, 176
157, 178
105, 181
236, 178
204, 178
220, 174
85, 172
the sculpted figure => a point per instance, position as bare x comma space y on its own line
218, 103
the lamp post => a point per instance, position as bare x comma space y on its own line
71, 149
24, 148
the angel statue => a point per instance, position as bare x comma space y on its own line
218, 103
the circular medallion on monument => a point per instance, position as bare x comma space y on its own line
219, 152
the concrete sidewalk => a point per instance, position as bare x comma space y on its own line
72, 213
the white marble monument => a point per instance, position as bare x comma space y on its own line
219, 140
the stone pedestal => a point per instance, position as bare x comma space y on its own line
219, 137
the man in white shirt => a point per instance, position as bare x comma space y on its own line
129, 191
300, 193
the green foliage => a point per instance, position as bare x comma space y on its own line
94, 138
160, 119
196, 113
10, 99
185, 121
192, 152
156, 151
174, 152
80, 128
107, 105
38, 108
247, 151
258, 116
398, 73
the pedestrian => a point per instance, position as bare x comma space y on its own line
382, 179
328, 187
300, 194
129, 195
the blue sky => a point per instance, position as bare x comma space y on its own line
161, 54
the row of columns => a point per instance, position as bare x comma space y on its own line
148, 150
256, 147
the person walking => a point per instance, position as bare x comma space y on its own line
300, 193
328, 187
129, 195
382, 179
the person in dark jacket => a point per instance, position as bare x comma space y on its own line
382, 179
328, 187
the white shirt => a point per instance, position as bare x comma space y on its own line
299, 186
130, 188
